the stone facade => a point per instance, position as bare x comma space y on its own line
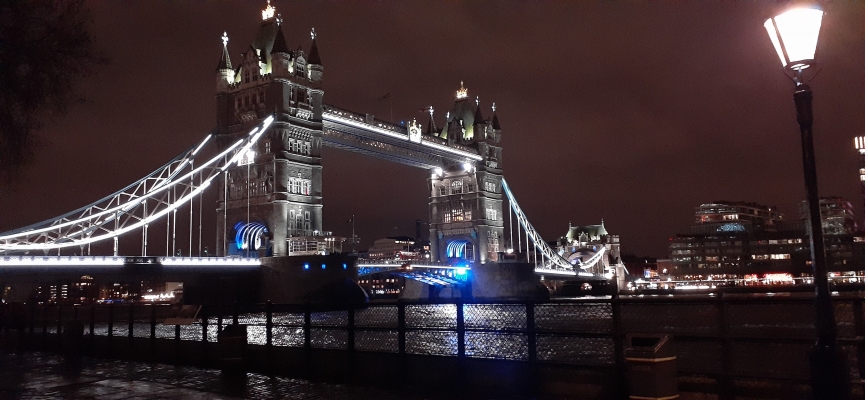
279, 185
466, 215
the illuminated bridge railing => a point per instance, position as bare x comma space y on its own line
726, 339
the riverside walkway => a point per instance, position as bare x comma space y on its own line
42, 375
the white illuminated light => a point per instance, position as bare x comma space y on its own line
203, 142
438, 171
125, 207
225, 39
463, 92
268, 12
794, 35
332, 117
467, 167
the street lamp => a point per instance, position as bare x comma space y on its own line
794, 34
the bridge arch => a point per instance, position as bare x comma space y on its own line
460, 248
249, 236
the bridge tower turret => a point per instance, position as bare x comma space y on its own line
278, 185
466, 198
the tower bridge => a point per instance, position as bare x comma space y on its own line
264, 160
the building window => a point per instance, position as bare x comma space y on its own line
456, 187
442, 190
299, 186
489, 186
492, 214
267, 147
470, 187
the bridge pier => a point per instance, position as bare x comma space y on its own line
324, 280
507, 280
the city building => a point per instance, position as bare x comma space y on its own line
738, 240
394, 248
859, 144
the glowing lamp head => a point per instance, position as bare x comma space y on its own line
438, 171
467, 167
794, 35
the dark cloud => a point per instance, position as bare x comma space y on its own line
634, 113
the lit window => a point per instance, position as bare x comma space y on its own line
456, 187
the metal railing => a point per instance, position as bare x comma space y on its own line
726, 337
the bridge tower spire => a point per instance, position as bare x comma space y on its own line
278, 185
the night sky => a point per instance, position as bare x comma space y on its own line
634, 113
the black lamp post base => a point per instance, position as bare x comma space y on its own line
830, 372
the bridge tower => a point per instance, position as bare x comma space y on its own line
276, 188
466, 215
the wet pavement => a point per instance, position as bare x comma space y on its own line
46, 376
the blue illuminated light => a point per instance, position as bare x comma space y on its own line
461, 271
323, 266
344, 266
248, 236
306, 266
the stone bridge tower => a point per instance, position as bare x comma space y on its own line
466, 215
275, 191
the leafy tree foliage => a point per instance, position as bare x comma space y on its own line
45, 49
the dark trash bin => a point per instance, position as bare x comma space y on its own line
650, 361
232, 345
73, 338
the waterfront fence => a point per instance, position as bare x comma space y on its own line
725, 337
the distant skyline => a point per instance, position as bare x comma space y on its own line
630, 113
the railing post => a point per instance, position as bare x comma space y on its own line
350, 328
110, 320
269, 325
30, 320
307, 326
176, 344
307, 339
619, 342
461, 330
400, 305
268, 309
204, 324
152, 321
859, 322
44, 320
530, 332
92, 322
131, 322
726, 381
59, 320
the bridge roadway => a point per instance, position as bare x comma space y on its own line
429, 273
362, 133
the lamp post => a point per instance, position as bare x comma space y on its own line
794, 34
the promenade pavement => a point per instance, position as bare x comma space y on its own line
46, 376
